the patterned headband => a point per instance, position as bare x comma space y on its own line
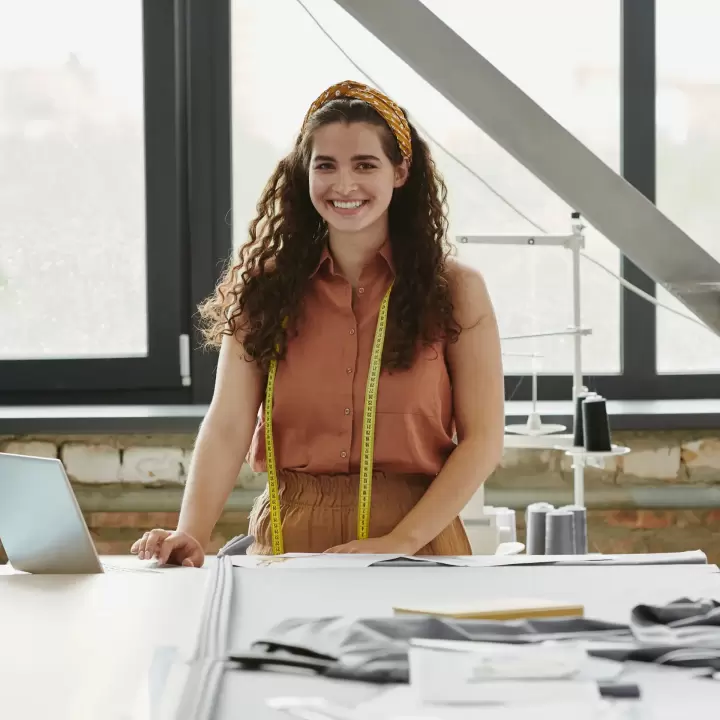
386, 108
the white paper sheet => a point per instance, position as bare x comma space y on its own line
295, 561
690, 557
550, 658
484, 674
346, 560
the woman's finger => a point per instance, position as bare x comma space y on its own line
173, 544
345, 548
140, 545
197, 557
153, 542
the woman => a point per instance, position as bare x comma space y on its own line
370, 348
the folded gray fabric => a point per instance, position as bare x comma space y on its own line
376, 649
358, 640
681, 623
681, 634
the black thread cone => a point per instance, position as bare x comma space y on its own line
578, 434
596, 426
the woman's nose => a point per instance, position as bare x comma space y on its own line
345, 182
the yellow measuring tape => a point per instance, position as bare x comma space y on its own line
366, 446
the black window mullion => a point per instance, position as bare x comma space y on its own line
164, 147
209, 123
638, 142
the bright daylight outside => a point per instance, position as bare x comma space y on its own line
73, 160
72, 234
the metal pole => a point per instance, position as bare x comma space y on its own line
577, 314
578, 461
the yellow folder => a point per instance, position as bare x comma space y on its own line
497, 609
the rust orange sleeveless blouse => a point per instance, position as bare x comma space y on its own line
319, 393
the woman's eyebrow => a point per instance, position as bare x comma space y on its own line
355, 158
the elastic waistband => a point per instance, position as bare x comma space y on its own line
298, 488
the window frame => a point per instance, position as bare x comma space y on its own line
188, 190
189, 166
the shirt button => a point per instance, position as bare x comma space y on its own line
347, 411
348, 371
352, 331
361, 291
343, 454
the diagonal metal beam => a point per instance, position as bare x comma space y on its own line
519, 125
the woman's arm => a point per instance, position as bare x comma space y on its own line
475, 364
220, 449
222, 442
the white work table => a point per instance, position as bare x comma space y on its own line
82, 646
85, 646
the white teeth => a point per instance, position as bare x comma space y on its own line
347, 205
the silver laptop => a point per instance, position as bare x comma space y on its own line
41, 526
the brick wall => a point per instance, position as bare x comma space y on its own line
130, 483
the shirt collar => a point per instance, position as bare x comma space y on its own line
385, 252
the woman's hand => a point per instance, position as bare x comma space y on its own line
384, 545
169, 547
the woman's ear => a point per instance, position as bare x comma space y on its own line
401, 174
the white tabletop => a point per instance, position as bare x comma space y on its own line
263, 597
82, 646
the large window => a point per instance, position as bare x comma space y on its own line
72, 237
107, 242
136, 137
688, 159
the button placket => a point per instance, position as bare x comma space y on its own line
350, 357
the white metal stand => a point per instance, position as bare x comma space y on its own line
575, 242
534, 427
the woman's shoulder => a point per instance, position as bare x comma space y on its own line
469, 292
460, 271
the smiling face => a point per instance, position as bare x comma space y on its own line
351, 177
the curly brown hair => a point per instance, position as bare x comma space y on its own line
264, 285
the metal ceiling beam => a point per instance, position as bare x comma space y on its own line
520, 126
